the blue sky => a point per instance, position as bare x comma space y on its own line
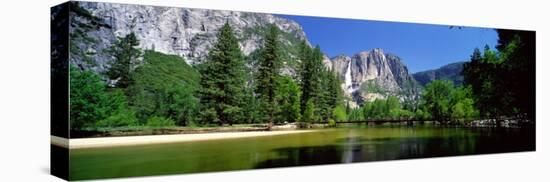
420, 46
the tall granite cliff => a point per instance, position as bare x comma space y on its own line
179, 31
373, 74
190, 33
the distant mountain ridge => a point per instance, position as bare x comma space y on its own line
451, 72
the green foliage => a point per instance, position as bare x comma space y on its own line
309, 73
125, 56
503, 82
164, 86
517, 50
440, 101
331, 122
288, 96
436, 99
378, 109
463, 109
339, 114
91, 102
463, 104
122, 115
385, 109
318, 84
393, 107
251, 113
406, 114
335, 92
88, 102
160, 122
421, 114
121, 118
356, 115
269, 65
482, 74
446, 102
309, 113
223, 81
367, 110
330, 94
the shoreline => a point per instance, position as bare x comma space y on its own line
83, 143
180, 130
182, 135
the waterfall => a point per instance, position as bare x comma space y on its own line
347, 81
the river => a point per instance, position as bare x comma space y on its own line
327, 146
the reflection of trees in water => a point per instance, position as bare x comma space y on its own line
361, 149
298, 156
348, 150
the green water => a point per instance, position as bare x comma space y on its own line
328, 146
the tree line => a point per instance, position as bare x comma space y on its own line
148, 88
229, 95
503, 81
498, 84
439, 101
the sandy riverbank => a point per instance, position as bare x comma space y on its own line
81, 143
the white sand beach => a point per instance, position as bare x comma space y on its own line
81, 143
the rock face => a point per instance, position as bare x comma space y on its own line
373, 74
190, 33
450, 72
178, 31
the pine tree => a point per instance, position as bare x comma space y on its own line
288, 97
305, 73
339, 114
251, 113
309, 112
334, 91
126, 55
368, 110
503, 82
223, 80
268, 73
91, 104
517, 77
472, 72
311, 74
324, 96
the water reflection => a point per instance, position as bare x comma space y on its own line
360, 148
329, 146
